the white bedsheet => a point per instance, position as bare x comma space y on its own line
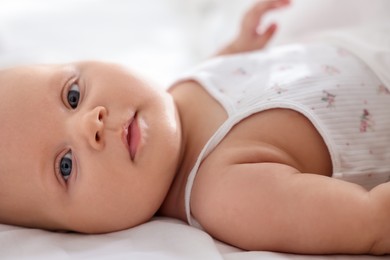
161, 238
159, 39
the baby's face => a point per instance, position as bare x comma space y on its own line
65, 159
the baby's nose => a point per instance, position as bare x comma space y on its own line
93, 126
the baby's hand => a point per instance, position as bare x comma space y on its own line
249, 37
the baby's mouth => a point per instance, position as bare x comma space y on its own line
132, 136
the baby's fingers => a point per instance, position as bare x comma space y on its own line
249, 37
264, 38
253, 16
264, 6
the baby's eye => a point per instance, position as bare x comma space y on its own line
66, 165
74, 95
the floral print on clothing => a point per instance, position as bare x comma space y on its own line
330, 70
279, 89
329, 98
382, 89
240, 71
342, 52
366, 121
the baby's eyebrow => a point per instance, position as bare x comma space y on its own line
62, 74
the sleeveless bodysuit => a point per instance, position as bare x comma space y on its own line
342, 97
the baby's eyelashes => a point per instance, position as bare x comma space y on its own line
65, 167
73, 95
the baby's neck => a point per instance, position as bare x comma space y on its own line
200, 117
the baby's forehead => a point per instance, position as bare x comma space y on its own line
25, 111
17, 84
35, 71
28, 69
25, 76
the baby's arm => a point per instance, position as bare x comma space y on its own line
271, 206
249, 37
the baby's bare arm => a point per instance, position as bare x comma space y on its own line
249, 37
380, 195
270, 206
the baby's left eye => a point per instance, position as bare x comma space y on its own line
65, 166
74, 95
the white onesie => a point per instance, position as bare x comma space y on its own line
342, 97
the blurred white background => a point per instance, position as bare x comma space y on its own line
156, 38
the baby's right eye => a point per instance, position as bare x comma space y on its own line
65, 167
74, 95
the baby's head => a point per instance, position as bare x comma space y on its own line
65, 163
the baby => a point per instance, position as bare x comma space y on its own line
286, 149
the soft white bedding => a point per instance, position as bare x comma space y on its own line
159, 39
161, 238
